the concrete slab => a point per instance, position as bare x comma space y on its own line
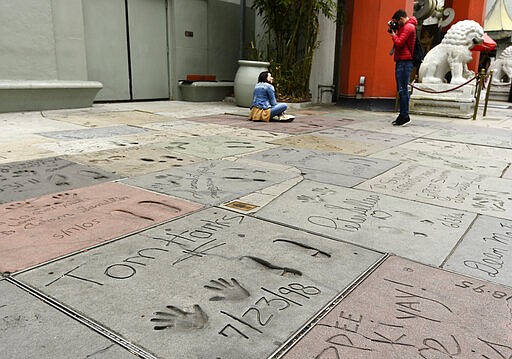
417, 128
301, 124
27, 179
330, 144
484, 136
32, 329
414, 230
215, 284
508, 172
99, 118
135, 161
480, 159
30, 122
212, 182
23, 147
458, 189
40, 229
485, 252
367, 137
408, 310
90, 133
331, 163
215, 147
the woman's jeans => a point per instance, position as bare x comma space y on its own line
278, 109
403, 71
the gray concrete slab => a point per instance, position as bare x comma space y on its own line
480, 159
27, 179
485, 252
215, 147
458, 189
90, 133
414, 230
408, 310
331, 163
102, 118
367, 137
495, 137
215, 284
212, 182
31, 329
44, 228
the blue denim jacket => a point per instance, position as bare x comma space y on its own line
264, 96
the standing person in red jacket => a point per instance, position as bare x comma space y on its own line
403, 33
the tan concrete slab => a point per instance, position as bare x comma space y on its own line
90, 118
135, 161
411, 311
329, 144
476, 135
30, 122
44, 228
458, 189
24, 147
417, 128
479, 159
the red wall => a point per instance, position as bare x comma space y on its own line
366, 43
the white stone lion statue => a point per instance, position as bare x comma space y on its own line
452, 54
502, 68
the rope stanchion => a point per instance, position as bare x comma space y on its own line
445, 91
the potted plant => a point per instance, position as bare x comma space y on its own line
291, 29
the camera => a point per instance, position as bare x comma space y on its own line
392, 26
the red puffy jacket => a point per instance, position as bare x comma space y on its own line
404, 40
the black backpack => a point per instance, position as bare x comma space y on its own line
418, 54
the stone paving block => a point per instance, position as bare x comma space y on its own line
331, 163
408, 310
30, 122
417, 128
215, 284
495, 137
458, 189
486, 251
301, 124
40, 229
91, 133
508, 172
23, 147
102, 118
215, 147
414, 230
212, 182
135, 161
329, 144
480, 159
27, 179
85, 146
366, 137
32, 329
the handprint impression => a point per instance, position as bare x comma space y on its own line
227, 291
179, 319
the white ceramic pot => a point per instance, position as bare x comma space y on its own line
245, 79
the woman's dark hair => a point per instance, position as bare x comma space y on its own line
263, 76
398, 14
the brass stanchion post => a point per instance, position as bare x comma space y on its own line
488, 92
480, 79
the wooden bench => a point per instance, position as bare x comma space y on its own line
37, 95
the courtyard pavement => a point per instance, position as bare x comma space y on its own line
182, 230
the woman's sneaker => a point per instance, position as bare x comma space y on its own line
401, 121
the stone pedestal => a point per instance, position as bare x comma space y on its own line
499, 92
443, 100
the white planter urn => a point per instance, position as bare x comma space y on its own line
245, 79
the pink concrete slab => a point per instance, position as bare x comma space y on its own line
407, 310
43, 228
301, 124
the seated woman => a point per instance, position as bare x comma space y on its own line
264, 106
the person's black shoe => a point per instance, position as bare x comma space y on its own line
402, 122
397, 120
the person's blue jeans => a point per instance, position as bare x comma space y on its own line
403, 71
278, 109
